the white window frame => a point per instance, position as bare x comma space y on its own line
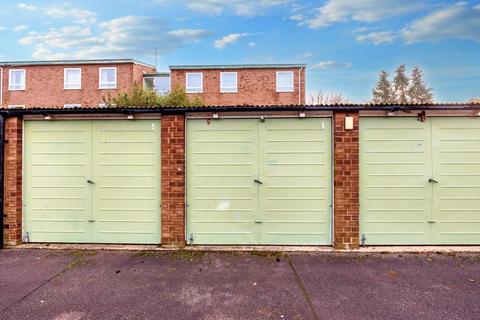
194, 89
230, 89
72, 105
106, 86
67, 86
292, 89
10, 80
16, 106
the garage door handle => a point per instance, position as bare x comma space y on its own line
258, 181
431, 180
90, 181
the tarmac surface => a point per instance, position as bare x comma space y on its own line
89, 284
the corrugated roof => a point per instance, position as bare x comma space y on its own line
237, 66
69, 62
325, 107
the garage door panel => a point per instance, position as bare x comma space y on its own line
295, 194
126, 174
223, 161
56, 199
221, 167
395, 165
456, 167
122, 206
452, 214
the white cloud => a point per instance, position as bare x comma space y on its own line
335, 11
305, 55
67, 12
252, 44
27, 6
20, 27
228, 40
121, 37
297, 17
3, 28
248, 8
459, 21
330, 64
377, 37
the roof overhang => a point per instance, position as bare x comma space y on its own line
237, 66
72, 62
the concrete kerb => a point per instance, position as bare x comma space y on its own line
293, 249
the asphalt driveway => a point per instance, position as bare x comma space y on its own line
40, 284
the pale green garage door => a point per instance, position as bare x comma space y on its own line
420, 181
254, 182
92, 181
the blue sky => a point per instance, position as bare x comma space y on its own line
344, 42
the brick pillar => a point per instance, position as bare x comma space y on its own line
346, 182
12, 207
173, 180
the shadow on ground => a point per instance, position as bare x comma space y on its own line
37, 284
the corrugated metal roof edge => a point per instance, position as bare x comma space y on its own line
173, 109
237, 66
67, 62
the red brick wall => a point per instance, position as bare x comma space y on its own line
255, 87
173, 180
44, 85
12, 208
139, 71
346, 182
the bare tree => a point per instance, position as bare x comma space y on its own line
319, 98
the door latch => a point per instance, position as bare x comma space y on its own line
90, 181
431, 180
258, 181
257, 221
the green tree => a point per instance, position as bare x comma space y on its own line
383, 93
400, 85
139, 97
418, 92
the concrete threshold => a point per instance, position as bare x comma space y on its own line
307, 249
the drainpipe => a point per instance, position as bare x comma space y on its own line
2, 144
300, 85
1, 86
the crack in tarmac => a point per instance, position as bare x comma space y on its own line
303, 289
76, 261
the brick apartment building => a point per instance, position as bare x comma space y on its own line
85, 83
75, 83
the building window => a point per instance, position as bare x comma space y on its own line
285, 81
228, 82
16, 79
108, 78
194, 82
159, 83
72, 105
72, 78
16, 106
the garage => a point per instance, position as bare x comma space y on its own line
420, 181
92, 181
259, 181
